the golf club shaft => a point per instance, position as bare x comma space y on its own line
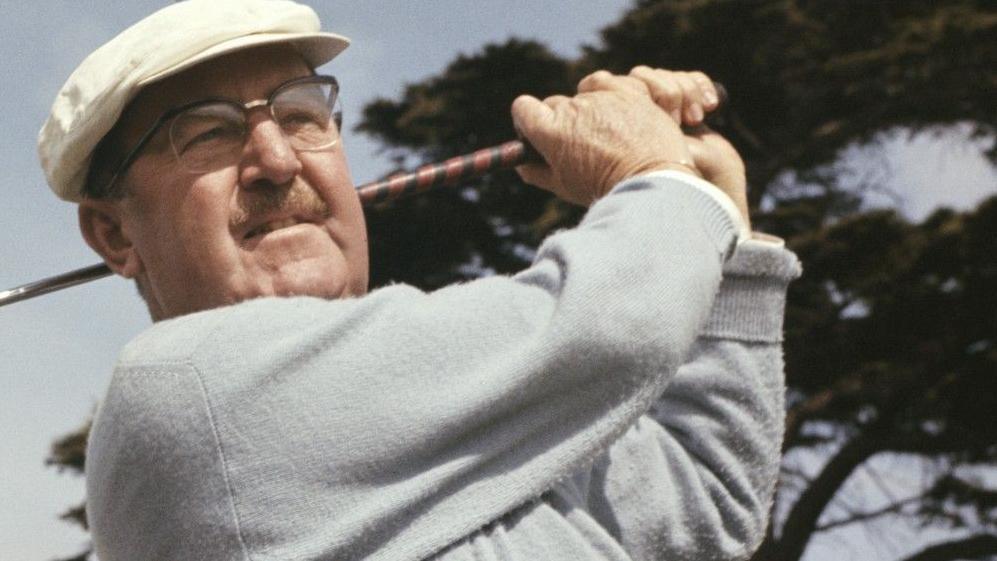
425, 178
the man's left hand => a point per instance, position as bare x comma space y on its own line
687, 97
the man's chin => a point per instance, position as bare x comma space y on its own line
301, 260
320, 278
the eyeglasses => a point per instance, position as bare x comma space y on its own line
210, 134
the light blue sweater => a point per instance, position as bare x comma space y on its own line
539, 416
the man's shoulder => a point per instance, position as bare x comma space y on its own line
179, 339
230, 331
172, 340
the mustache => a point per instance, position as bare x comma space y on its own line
298, 199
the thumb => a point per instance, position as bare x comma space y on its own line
531, 117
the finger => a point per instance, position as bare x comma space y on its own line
706, 147
539, 122
714, 156
555, 102
665, 92
703, 155
601, 80
530, 115
711, 99
536, 121
692, 99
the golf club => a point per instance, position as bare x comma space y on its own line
426, 178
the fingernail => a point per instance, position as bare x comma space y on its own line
711, 98
696, 113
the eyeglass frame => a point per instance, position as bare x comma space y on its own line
169, 114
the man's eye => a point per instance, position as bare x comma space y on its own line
214, 135
303, 118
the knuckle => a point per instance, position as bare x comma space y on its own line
597, 79
685, 81
664, 74
599, 76
635, 84
556, 102
670, 92
582, 101
700, 77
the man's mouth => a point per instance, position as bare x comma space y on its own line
273, 225
277, 210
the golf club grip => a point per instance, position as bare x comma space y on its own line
450, 172
461, 168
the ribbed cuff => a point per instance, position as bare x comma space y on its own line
752, 298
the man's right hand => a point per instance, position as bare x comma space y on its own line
598, 138
617, 127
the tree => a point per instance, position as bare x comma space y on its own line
890, 334
890, 350
69, 453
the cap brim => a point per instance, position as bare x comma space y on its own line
317, 48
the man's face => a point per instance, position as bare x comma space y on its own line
278, 222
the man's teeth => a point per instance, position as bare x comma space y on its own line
271, 226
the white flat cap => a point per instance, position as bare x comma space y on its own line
164, 43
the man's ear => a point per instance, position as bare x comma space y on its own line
102, 227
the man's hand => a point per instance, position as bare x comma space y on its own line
609, 132
621, 126
688, 97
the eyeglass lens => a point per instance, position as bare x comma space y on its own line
210, 136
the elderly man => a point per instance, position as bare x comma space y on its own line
620, 399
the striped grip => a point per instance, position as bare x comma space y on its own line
447, 173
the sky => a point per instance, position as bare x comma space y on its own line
57, 351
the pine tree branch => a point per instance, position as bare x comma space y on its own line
974, 547
863, 516
801, 522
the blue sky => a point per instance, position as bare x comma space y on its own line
57, 351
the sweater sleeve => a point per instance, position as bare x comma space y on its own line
694, 478
388, 426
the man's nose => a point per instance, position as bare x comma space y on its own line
268, 156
